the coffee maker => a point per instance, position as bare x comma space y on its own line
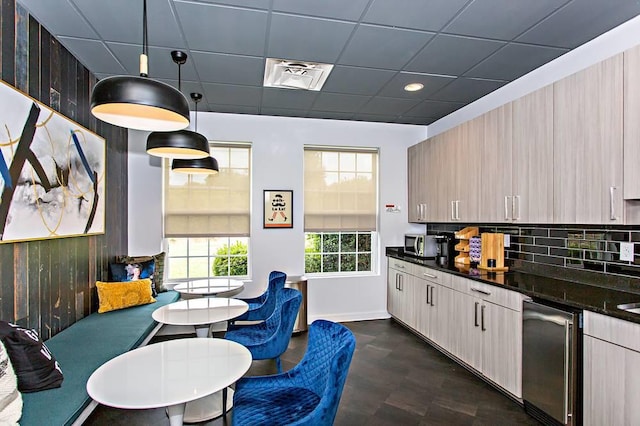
445, 249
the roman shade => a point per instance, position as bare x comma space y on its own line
210, 205
340, 189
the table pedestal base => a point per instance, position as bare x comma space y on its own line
176, 414
207, 408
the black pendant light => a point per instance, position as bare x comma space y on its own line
181, 144
207, 165
140, 102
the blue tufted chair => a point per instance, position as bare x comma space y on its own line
270, 338
309, 393
261, 307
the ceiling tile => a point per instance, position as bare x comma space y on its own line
60, 17
417, 14
230, 69
223, 29
388, 106
513, 61
393, 47
339, 102
255, 4
581, 21
227, 94
452, 55
95, 53
501, 19
288, 98
162, 27
188, 87
432, 83
160, 63
433, 109
338, 9
357, 81
307, 39
234, 109
467, 89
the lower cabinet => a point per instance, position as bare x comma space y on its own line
611, 371
478, 323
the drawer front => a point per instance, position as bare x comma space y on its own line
400, 265
614, 330
432, 275
496, 295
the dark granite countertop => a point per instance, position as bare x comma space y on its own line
546, 289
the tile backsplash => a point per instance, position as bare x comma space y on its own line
585, 248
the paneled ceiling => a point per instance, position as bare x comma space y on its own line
460, 50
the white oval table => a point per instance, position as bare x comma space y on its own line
169, 374
201, 312
210, 287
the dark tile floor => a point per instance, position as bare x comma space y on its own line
395, 379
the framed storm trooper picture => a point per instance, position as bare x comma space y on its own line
278, 209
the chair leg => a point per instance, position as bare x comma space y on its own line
278, 364
224, 401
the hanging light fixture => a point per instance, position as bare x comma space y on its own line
207, 165
139, 102
180, 144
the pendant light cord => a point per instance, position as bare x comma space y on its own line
196, 101
144, 58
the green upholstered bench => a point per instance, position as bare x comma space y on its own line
80, 349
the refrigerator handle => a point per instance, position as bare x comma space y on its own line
568, 365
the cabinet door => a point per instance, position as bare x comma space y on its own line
532, 154
392, 291
441, 305
415, 169
631, 123
466, 150
502, 346
588, 145
495, 183
439, 185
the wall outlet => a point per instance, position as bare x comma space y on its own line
626, 251
507, 240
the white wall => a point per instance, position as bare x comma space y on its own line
277, 155
617, 40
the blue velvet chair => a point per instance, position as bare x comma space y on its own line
261, 307
270, 338
309, 393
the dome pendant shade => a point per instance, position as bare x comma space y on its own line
207, 165
139, 103
181, 144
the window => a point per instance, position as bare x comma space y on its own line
340, 209
207, 217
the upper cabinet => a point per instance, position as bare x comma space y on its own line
632, 123
587, 145
416, 171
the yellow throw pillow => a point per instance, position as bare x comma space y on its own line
119, 295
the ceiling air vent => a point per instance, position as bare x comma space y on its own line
295, 74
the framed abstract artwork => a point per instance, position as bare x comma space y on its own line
278, 209
52, 172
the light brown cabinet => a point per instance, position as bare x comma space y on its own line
587, 145
401, 292
417, 199
632, 123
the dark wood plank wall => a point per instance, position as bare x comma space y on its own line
50, 284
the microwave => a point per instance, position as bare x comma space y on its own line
420, 245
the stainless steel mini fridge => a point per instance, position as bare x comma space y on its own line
551, 345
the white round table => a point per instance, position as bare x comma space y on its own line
169, 374
201, 312
210, 287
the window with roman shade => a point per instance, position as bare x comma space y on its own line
210, 205
340, 189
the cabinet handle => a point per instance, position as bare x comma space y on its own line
428, 303
516, 207
453, 215
482, 318
475, 315
432, 295
457, 209
429, 275
397, 265
612, 206
477, 290
397, 278
424, 212
401, 282
506, 207
418, 210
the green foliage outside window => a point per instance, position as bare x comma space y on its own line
337, 252
231, 261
